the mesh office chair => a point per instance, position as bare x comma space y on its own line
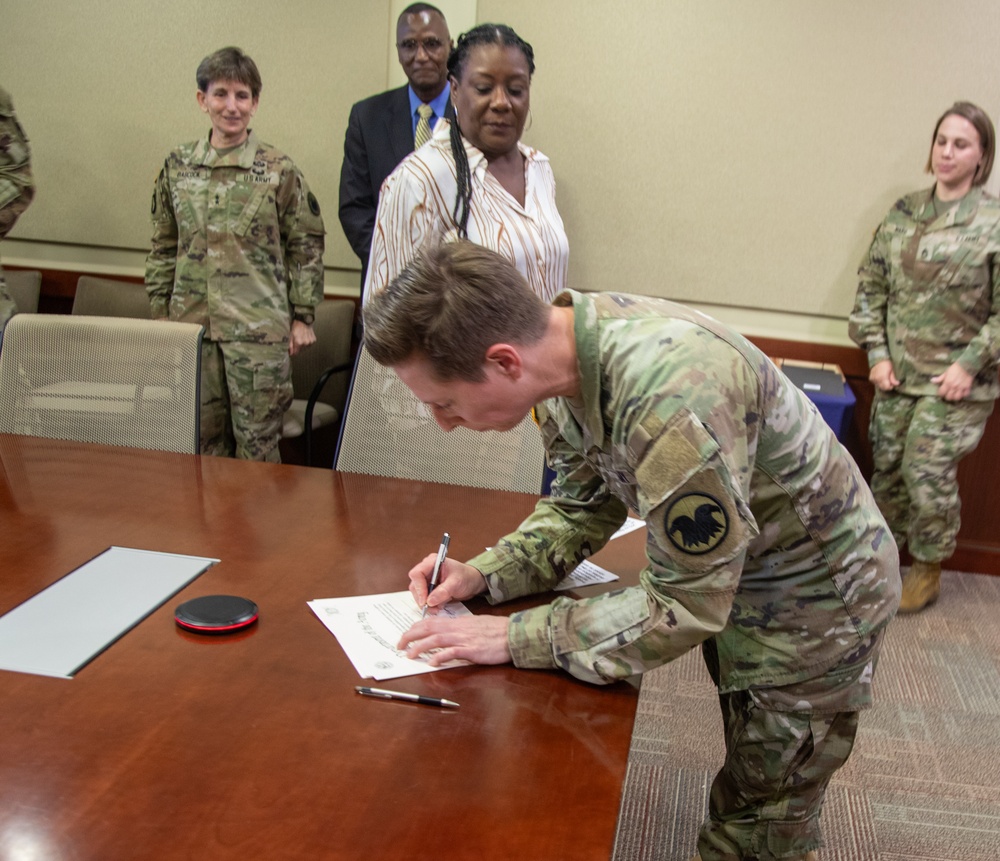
24, 286
105, 297
386, 431
106, 380
319, 394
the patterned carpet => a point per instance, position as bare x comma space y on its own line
923, 781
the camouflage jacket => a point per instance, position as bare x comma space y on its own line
17, 186
761, 531
929, 293
237, 242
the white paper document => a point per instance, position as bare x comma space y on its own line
631, 524
585, 574
368, 627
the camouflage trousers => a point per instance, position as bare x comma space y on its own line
245, 390
917, 443
766, 800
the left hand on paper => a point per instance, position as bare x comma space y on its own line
479, 639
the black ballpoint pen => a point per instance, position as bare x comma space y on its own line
410, 698
436, 573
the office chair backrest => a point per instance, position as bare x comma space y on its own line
387, 431
334, 320
104, 297
24, 286
107, 380
320, 374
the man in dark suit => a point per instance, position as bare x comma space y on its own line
382, 128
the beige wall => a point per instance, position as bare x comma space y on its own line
105, 89
735, 154
741, 152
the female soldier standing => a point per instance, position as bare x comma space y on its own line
238, 247
927, 314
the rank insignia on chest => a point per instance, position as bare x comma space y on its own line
696, 523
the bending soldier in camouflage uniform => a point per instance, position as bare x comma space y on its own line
927, 315
237, 247
764, 546
17, 187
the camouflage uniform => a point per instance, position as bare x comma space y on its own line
17, 187
764, 545
927, 298
238, 247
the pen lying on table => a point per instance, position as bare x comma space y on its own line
410, 698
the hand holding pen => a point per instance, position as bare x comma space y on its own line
436, 572
455, 581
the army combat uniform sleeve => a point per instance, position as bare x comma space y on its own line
302, 234
572, 524
982, 354
867, 326
17, 186
684, 598
161, 263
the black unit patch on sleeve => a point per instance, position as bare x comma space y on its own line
696, 523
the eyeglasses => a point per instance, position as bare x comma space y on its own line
430, 45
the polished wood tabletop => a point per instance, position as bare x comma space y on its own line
175, 745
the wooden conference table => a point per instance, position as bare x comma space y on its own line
173, 745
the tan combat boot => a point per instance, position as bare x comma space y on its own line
921, 586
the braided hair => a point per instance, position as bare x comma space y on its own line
484, 34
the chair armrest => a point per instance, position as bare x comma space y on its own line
317, 390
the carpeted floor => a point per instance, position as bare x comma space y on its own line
923, 783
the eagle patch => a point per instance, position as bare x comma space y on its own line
696, 523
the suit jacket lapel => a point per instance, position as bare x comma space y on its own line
400, 126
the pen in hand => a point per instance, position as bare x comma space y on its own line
436, 573
406, 697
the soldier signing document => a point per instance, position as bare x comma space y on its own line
765, 546
237, 247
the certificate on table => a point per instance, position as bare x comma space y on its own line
368, 627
